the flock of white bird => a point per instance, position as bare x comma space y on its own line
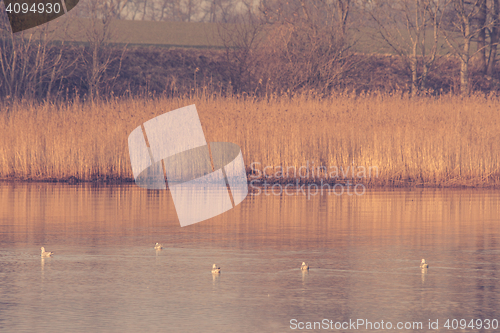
215, 269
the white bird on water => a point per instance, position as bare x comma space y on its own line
423, 264
45, 254
215, 269
158, 246
304, 267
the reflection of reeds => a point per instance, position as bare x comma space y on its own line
445, 141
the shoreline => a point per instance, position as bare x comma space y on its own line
270, 182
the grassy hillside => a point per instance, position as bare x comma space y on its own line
207, 35
138, 33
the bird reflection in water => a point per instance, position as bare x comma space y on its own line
305, 275
424, 273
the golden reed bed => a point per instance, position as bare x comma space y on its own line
384, 139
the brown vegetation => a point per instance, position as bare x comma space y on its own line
182, 72
431, 141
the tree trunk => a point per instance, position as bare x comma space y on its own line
414, 56
494, 38
144, 10
464, 54
464, 76
481, 37
464, 65
425, 74
189, 10
343, 9
413, 68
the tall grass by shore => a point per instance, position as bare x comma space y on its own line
441, 141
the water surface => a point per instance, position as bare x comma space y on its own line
364, 252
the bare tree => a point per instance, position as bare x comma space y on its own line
486, 24
118, 9
167, 10
464, 12
474, 21
435, 12
482, 14
242, 42
192, 8
30, 63
307, 43
405, 25
219, 11
99, 55
176, 10
494, 37
343, 7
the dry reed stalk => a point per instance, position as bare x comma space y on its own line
441, 141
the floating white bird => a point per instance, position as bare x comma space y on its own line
423, 264
215, 269
158, 246
45, 254
304, 267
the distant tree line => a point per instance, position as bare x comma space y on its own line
226, 11
271, 47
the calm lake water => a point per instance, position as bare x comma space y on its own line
364, 253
